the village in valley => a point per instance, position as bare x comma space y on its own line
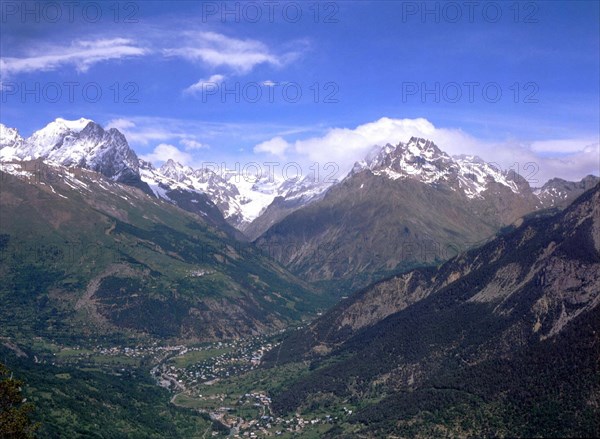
221, 379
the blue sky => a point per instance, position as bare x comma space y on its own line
514, 82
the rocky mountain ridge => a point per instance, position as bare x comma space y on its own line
80, 143
242, 198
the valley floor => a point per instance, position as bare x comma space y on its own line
224, 380
218, 387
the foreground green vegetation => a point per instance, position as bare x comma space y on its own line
15, 413
103, 397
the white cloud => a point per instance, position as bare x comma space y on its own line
571, 159
81, 54
563, 146
164, 152
276, 146
572, 166
269, 83
204, 83
120, 124
218, 50
191, 144
144, 132
209, 48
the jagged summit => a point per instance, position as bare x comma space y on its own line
422, 160
76, 143
175, 170
558, 192
10, 142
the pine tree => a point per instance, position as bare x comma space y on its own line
14, 411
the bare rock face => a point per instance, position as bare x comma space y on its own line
560, 193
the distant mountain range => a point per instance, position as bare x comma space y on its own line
402, 206
83, 143
241, 198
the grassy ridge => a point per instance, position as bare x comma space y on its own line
152, 268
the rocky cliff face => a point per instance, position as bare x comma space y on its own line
560, 193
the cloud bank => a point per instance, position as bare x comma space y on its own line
538, 161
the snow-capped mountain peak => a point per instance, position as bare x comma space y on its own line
241, 198
9, 136
421, 159
82, 143
175, 170
418, 158
51, 137
11, 143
